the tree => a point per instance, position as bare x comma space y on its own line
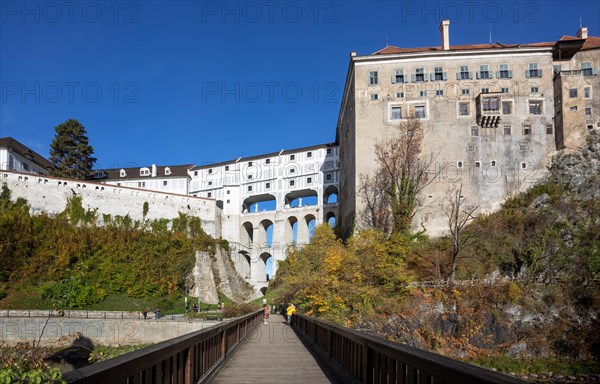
459, 214
391, 194
70, 152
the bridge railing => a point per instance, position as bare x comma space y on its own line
192, 358
370, 359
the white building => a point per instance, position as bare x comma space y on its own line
270, 202
16, 157
169, 179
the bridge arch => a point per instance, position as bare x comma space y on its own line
301, 198
259, 203
262, 267
247, 234
330, 219
264, 237
310, 221
291, 230
330, 195
244, 264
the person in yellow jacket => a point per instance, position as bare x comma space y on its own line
290, 311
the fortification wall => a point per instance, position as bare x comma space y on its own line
50, 195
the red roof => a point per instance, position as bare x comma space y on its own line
590, 43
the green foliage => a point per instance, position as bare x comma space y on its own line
69, 262
344, 282
70, 152
24, 364
101, 353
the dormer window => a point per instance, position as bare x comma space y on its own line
144, 172
167, 171
122, 173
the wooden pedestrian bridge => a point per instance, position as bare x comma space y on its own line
245, 350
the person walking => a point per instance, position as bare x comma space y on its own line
145, 313
290, 312
266, 311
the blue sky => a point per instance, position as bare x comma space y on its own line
197, 82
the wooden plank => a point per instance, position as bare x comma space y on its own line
274, 354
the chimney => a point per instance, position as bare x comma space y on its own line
582, 33
445, 33
154, 170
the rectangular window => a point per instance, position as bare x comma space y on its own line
419, 75
506, 107
267, 185
587, 93
420, 111
471, 148
534, 90
423, 93
485, 90
474, 130
268, 161
478, 164
490, 103
504, 72
374, 96
573, 109
249, 188
292, 170
309, 180
549, 129
556, 68
210, 182
484, 72
228, 192
527, 129
463, 109
227, 167
328, 177
398, 76
535, 107
523, 165
439, 74
588, 111
210, 170
493, 163
249, 178
396, 113
292, 183
572, 92
249, 163
465, 91
329, 152
459, 164
522, 147
504, 90
464, 73
209, 194
586, 69
399, 95
292, 157
507, 130
439, 92
533, 71
373, 78
195, 173
308, 154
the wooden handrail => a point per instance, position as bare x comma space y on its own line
372, 359
191, 358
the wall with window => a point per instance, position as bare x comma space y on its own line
12, 161
515, 93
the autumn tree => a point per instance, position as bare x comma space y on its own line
70, 152
391, 192
459, 214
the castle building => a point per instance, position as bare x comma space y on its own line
16, 157
170, 179
491, 116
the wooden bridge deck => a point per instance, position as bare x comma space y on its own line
273, 353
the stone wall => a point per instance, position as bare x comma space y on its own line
50, 195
